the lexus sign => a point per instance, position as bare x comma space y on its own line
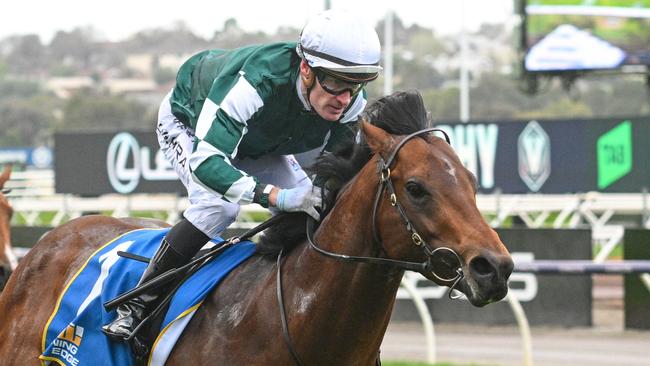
125, 177
117, 162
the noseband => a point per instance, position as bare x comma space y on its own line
386, 184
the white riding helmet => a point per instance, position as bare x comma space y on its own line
341, 43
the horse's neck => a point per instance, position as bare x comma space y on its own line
354, 300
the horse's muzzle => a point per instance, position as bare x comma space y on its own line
490, 275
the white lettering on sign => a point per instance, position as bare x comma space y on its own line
124, 147
476, 146
528, 286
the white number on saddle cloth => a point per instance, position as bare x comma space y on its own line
107, 260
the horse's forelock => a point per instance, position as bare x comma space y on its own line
400, 113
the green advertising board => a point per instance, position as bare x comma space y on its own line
614, 154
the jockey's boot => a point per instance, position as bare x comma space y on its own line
131, 313
178, 247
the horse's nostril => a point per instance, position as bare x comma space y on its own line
506, 268
481, 266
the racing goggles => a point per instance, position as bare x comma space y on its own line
336, 86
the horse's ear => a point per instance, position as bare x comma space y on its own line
379, 141
6, 172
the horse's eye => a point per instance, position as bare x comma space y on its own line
416, 191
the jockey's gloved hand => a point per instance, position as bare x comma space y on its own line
301, 198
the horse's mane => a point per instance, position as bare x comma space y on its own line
400, 113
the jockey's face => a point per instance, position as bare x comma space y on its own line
327, 105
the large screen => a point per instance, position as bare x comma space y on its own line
581, 35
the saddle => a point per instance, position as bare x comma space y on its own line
73, 333
145, 334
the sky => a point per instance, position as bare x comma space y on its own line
116, 20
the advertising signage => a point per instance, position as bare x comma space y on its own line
566, 156
112, 162
530, 156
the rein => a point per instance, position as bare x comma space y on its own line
385, 184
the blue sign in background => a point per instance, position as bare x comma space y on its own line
39, 157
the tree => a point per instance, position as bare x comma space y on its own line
27, 55
88, 110
26, 121
619, 96
232, 36
75, 48
415, 73
164, 75
561, 108
177, 39
12, 88
443, 104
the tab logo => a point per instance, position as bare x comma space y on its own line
534, 152
614, 152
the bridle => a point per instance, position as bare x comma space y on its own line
385, 184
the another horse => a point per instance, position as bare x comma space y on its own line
8, 261
336, 311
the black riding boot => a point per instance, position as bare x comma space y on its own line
177, 249
131, 313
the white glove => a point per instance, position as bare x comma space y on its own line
301, 198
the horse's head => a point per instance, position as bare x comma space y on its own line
427, 212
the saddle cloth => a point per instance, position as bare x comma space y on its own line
72, 335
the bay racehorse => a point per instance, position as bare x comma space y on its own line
8, 261
394, 202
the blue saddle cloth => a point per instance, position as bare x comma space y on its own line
72, 336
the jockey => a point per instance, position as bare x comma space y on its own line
232, 122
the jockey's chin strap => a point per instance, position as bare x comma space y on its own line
386, 184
